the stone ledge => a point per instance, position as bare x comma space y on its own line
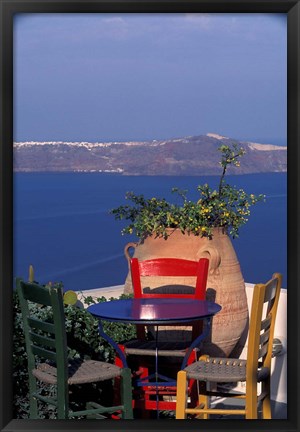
107, 292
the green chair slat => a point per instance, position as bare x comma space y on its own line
42, 340
50, 401
40, 295
44, 353
99, 410
41, 325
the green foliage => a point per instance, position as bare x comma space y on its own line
227, 207
83, 342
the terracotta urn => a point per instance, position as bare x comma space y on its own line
225, 283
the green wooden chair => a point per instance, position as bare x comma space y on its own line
47, 341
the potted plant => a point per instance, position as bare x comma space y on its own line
196, 229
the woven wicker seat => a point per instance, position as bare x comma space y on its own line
222, 370
255, 369
79, 372
47, 340
148, 348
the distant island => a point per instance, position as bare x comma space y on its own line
192, 155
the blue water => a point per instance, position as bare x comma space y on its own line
62, 225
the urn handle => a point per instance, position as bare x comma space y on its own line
214, 257
126, 251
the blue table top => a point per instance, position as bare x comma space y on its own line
154, 310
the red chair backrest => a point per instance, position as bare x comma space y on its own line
170, 267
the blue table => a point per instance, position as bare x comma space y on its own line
156, 311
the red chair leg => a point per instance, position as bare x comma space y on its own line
117, 383
192, 384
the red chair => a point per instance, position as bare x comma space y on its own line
141, 349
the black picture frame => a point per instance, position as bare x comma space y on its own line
7, 10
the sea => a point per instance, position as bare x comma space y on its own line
63, 228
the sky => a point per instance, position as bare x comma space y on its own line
120, 77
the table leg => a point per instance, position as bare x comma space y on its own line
196, 342
113, 344
156, 370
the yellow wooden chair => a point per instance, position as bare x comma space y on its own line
255, 369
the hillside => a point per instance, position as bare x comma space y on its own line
194, 155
